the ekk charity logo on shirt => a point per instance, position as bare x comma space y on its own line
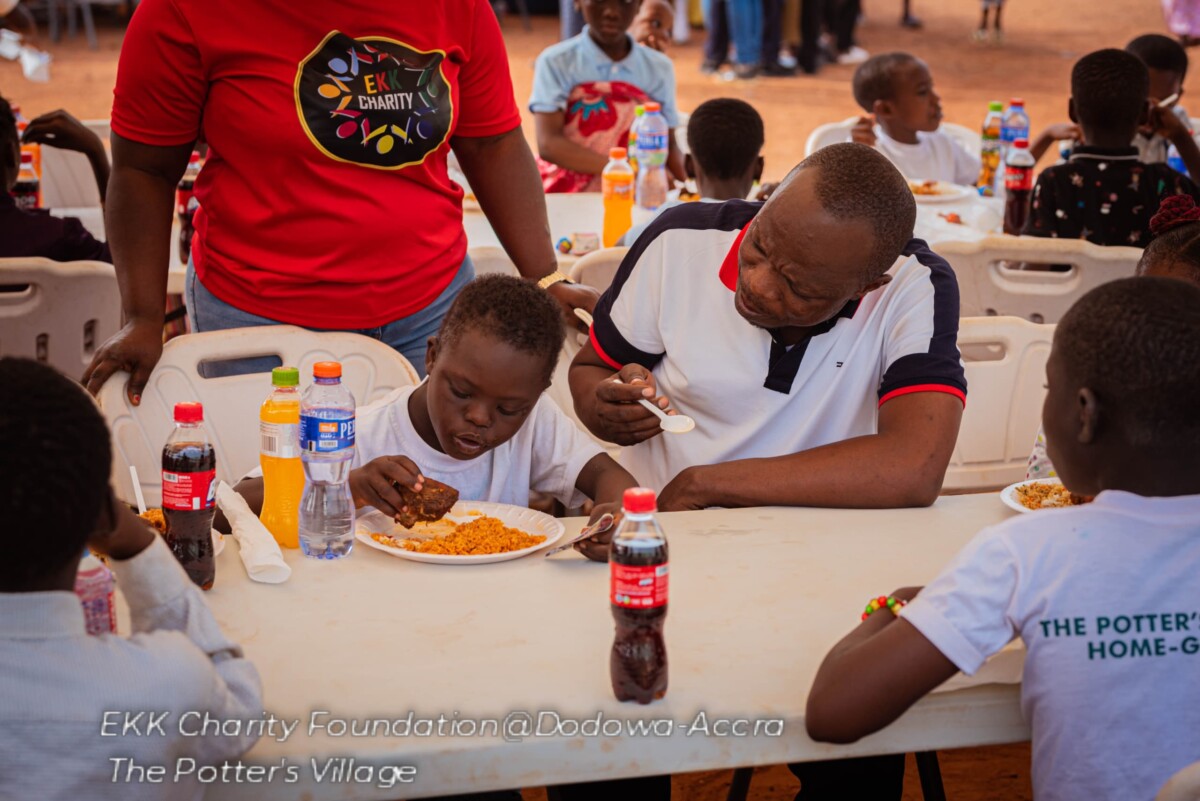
374, 101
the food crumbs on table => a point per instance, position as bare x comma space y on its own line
482, 536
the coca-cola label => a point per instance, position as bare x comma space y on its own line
638, 586
322, 435
187, 492
183, 198
279, 440
1018, 178
26, 199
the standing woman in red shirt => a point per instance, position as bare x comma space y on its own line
325, 201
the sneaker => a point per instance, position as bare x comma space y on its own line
855, 55
710, 67
778, 70
745, 72
909, 21
787, 59
998, 37
979, 36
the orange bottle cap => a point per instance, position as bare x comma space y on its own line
654, 107
617, 153
327, 370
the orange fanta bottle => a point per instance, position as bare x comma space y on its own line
279, 455
617, 185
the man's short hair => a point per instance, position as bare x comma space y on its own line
1135, 343
1160, 52
8, 123
725, 137
1109, 89
875, 78
856, 182
55, 461
510, 309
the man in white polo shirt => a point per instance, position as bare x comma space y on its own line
811, 338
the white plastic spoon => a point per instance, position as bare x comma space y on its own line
671, 423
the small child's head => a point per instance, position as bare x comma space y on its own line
608, 20
1165, 60
490, 362
1123, 378
10, 147
55, 461
827, 236
897, 88
1108, 95
725, 137
1175, 250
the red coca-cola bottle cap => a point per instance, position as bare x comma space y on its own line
189, 413
1022, 143
640, 500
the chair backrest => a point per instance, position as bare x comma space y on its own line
369, 368
491, 259
829, 134
969, 138
989, 286
57, 312
1005, 360
67, 180
1183, 786
598, 268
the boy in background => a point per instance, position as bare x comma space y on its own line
725, 140
896, 89
33, 233
1104, 193
1120, 420
59, 682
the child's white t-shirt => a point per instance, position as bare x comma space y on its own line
935, 157
546, 454
1107, 600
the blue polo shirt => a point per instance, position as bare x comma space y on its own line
563, 66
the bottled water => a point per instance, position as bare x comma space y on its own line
327, 449
1015, 124
652, 146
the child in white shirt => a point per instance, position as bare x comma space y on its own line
480, 422
896, 89
1103, 595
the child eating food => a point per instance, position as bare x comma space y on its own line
480, 423
1101, 594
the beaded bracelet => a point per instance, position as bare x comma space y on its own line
892, 603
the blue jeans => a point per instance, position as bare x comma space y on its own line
207, 312
745, 26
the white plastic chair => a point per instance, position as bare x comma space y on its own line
1183, 786
1005, 361
370, 369
597, 269
67, 180
988, 286
491, 259
833, 132
57, 312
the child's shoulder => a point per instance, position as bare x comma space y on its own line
559, 51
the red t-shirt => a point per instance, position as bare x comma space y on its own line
325, 201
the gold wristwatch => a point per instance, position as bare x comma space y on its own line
552, 279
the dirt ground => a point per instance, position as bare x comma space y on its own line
1043, 40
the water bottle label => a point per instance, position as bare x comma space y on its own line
322, 435
189, 492
1017, 179
652, 141
638, 586
279, 440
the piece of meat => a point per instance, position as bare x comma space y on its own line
427, 506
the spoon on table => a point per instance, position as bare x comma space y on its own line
671, 423
599, 527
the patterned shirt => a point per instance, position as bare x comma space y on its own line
1103, 195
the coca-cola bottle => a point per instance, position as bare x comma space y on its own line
28, 189
638, 594
186, 205
189, 491
1018, 186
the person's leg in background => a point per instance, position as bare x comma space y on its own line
411, 335
772, 41
844, 19
569, 19
716, 43
876, 778
745, 27
790, 25
907, 19
809, 54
